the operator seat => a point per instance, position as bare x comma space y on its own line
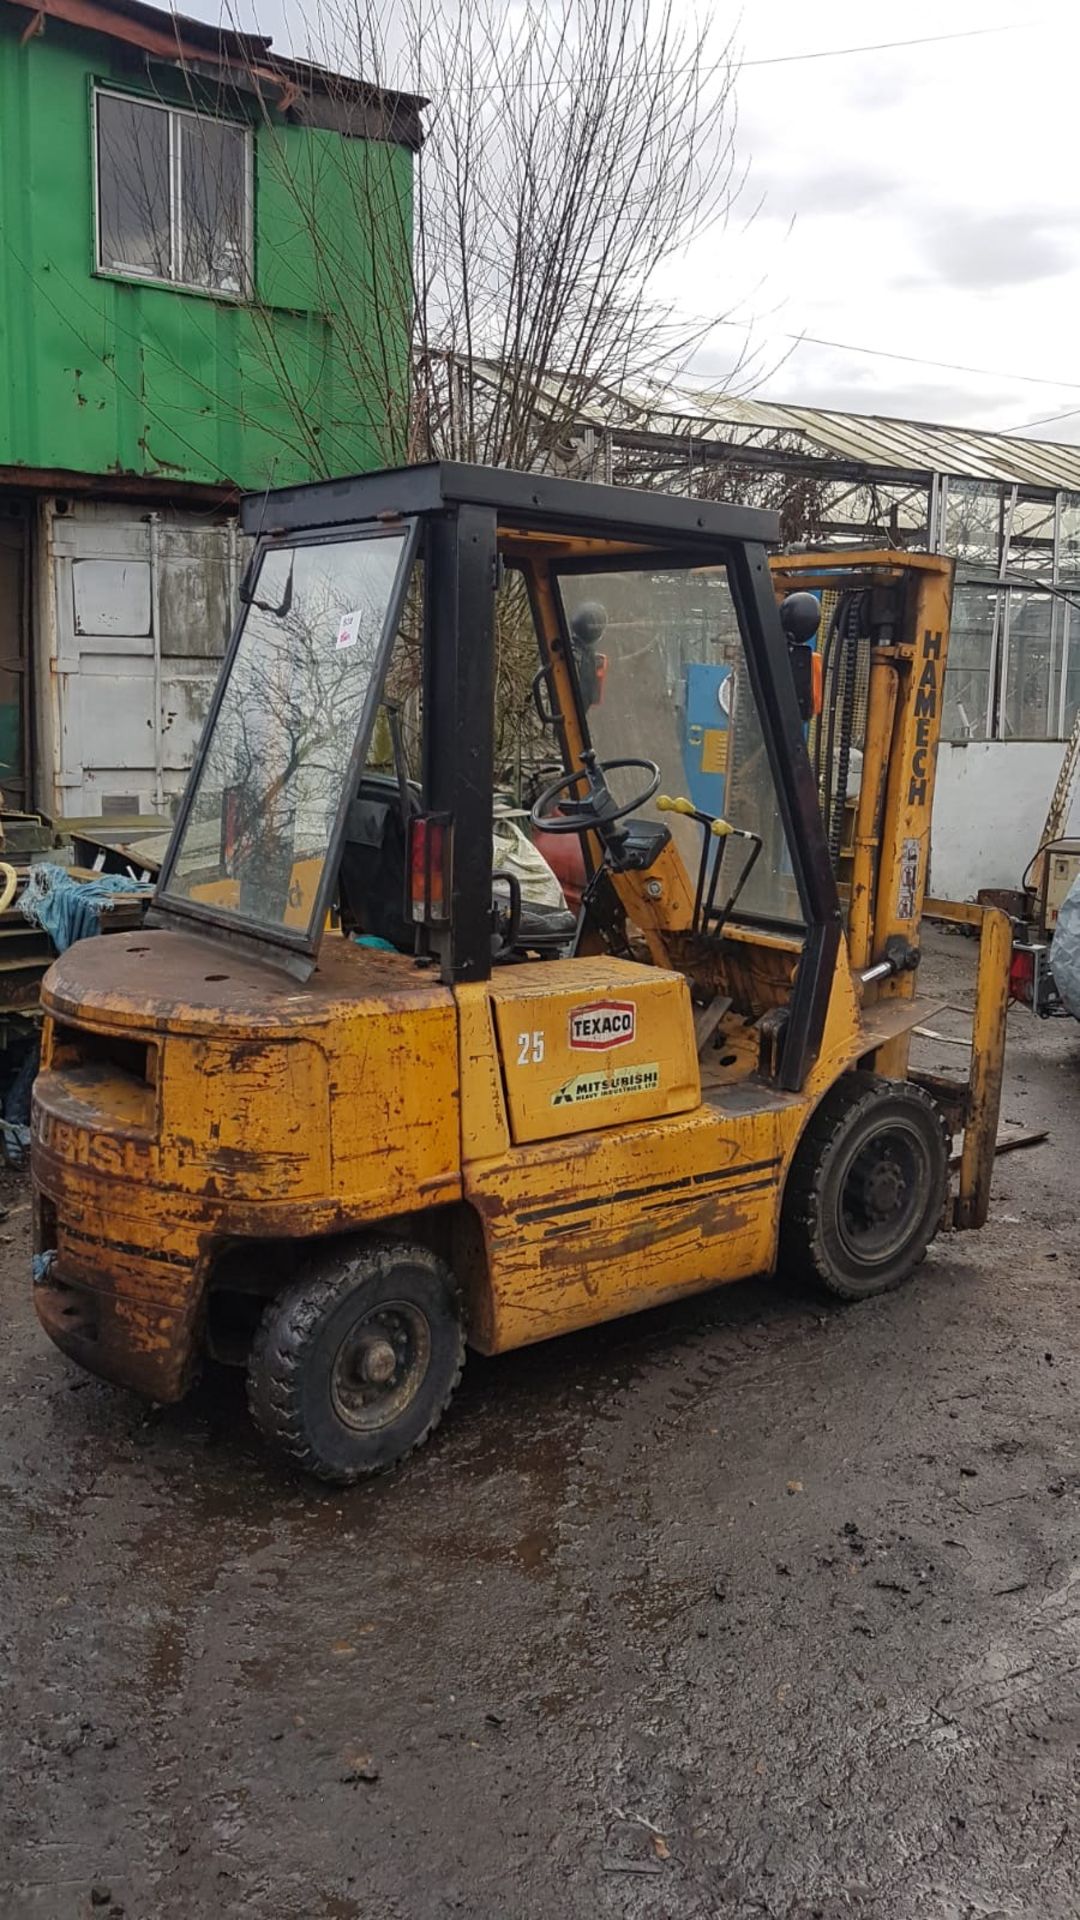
548, 932
371, 878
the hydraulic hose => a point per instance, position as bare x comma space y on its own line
831, 669
849, 667
826, 668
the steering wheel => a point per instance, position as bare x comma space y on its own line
597, 809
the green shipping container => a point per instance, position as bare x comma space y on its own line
287, 364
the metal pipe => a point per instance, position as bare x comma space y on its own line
703, 874
932, 502
155, 622
881, 970
880, 714
999, 637
232, 564
1059, 629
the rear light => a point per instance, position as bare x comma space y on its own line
429, 869
1022, 976
601, 675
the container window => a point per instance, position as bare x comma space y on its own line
173, 195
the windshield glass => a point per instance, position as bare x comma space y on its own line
662, 670
302, 686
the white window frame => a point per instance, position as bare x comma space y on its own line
176, 250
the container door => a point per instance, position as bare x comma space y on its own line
144, 601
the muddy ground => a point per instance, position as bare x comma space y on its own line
751, 1607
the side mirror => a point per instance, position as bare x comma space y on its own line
246, 589
800, 617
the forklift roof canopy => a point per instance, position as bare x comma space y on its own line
525, 500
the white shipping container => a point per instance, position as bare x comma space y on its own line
137, 605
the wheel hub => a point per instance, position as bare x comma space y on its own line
380, 1365
879, 1195
883, 1190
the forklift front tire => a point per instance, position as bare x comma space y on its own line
354, 1364
866, 1191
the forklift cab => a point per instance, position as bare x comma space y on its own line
350, 1101
284, 785
286, 818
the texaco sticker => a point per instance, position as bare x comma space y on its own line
603, 1024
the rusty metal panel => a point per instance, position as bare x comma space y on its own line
593, 1043
582, 1230
191, 1097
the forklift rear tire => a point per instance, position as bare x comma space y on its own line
866, 1191
354, 1365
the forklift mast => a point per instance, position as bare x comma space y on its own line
907, 604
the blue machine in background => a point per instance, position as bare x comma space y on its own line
706, 744
707, 734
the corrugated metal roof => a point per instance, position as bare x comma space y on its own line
177, 36
876, 440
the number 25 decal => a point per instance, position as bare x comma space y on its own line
530, 1049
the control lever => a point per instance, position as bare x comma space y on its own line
714, 827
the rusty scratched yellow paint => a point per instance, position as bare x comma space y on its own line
620, 1213
598, 1034
374, 1092
268, 1111
562, 1103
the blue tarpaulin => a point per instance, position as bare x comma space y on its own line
67, 907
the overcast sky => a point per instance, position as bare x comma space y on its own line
922, 200
917, 200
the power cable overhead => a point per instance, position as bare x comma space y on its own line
736, 66
883, 46
949, 366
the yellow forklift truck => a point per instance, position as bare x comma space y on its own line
349, 1103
